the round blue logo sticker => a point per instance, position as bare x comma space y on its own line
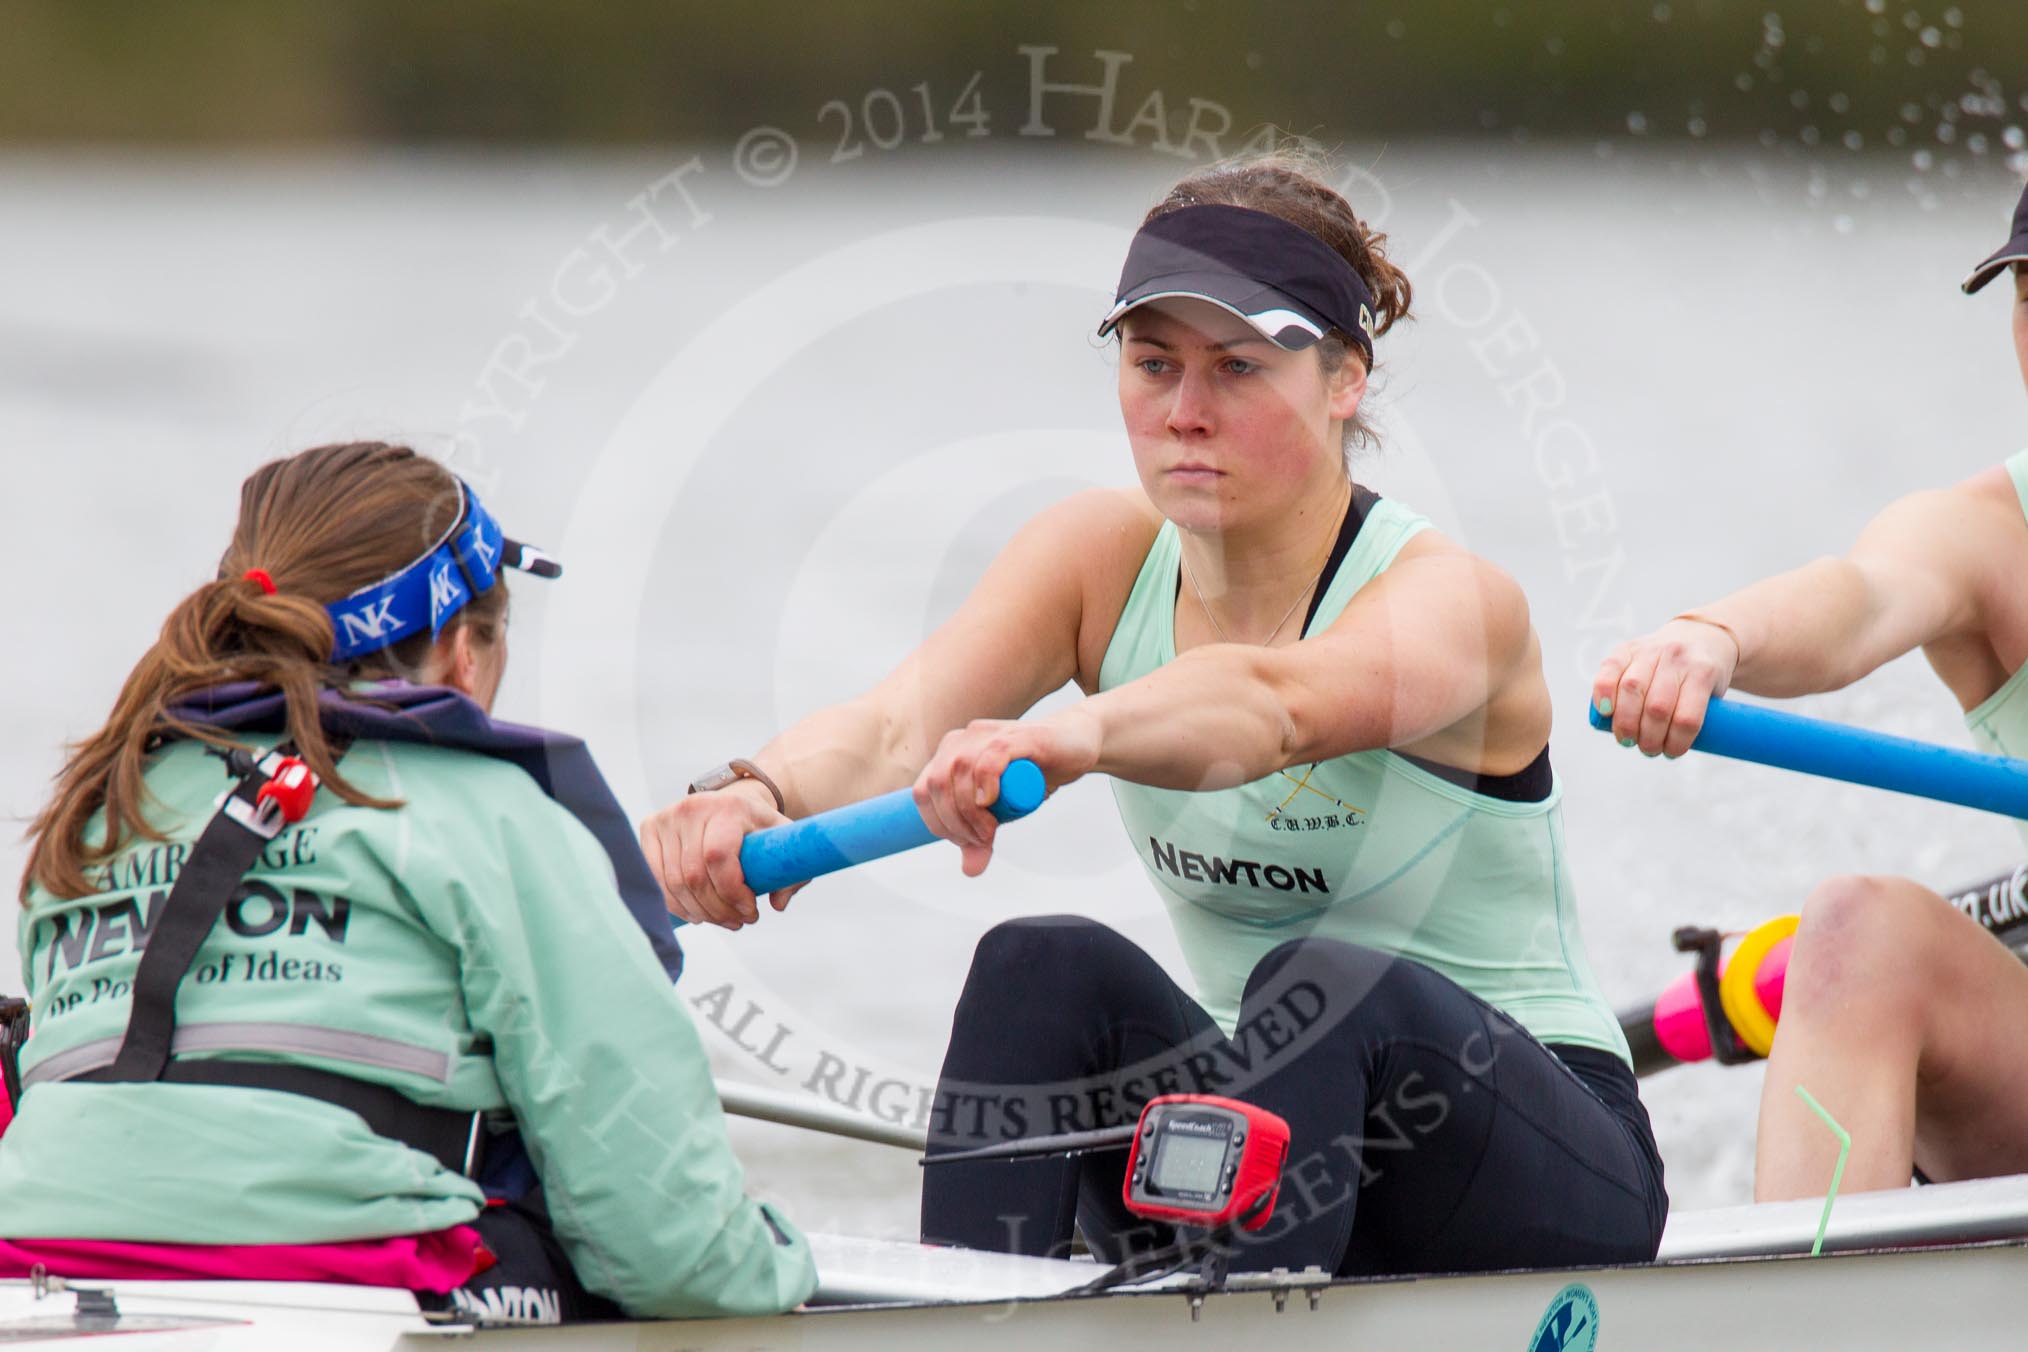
1570, 1324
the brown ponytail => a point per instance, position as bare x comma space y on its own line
1289, 182
321, 525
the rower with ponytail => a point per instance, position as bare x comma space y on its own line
321, 524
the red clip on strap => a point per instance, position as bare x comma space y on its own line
290, 789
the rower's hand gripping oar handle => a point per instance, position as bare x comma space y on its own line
1812, 746
783, 856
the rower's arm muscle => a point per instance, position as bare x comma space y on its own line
1910, 579
1420, 649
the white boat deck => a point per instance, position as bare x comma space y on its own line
1943, 1213
1897, 1268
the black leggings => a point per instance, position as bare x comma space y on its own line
1458, 1141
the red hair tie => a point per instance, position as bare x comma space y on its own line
260, 575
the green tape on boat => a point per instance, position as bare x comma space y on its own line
1837, 1174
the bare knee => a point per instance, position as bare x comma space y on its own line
1863, 942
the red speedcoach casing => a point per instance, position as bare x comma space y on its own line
1202, 1160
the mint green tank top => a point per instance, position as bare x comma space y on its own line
2000, 724
1367, 848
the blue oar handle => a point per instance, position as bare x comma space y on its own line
1754, 732
783, 856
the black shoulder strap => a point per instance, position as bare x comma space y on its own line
13, 1032
231, 841
210, 877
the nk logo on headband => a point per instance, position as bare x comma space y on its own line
445, 594
368, 624
462, 563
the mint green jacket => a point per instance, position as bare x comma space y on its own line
467, 949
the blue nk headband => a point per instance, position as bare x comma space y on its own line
465, 562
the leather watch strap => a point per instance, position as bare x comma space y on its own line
733, 771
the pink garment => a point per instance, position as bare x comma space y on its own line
439, 1261
6, 1110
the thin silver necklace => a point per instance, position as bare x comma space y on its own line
1219, 629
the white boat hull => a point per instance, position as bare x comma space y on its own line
1901, 1269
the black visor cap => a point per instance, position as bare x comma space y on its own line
1285, 282
2015, 250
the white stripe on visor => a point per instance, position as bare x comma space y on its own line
1269, 323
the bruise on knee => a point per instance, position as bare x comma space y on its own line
1863, 938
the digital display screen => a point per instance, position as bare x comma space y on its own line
1188, 1163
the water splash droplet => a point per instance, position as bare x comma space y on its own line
1661, 13
1769, 139
1854, 141
1911, 113
1809, 136
2014, 138
1397, 29
1922, 160
1976, 143
1843, 225
1876, 6
1840, 103
1637, 123
1697, 127
1897, 136
1742, 82
1954, 18
1946, 132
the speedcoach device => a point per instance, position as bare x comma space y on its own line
1206, 1161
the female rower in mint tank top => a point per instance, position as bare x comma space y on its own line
1326, 726
1889, 986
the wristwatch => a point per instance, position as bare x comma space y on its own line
733, 771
